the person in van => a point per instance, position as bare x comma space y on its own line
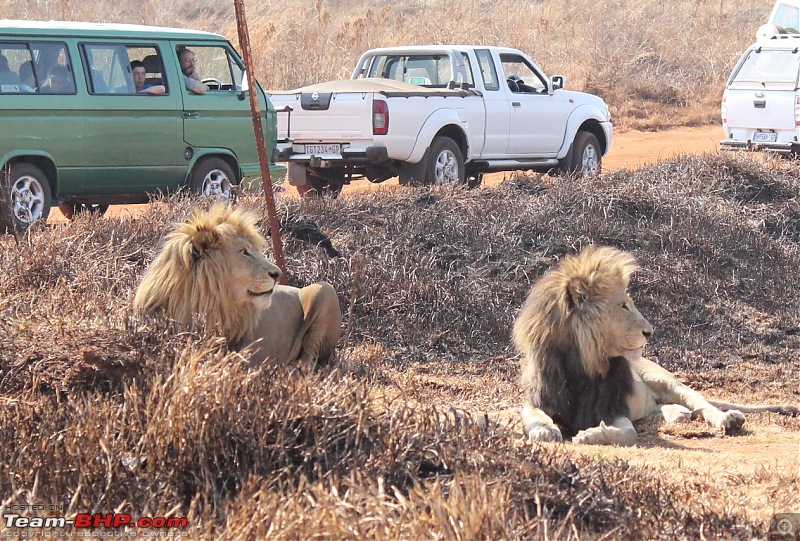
191, 78
27, 81
7, 77
140, 80
59, 80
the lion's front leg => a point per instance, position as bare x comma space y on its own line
322, 323
729, 421
538, 426
620, 432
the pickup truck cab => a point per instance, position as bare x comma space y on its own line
761, 103
438, 114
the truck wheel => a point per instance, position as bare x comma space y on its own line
70, 210
214, 178
445, 163
584, 157
25, 199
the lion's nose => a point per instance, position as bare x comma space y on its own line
648, 333
274, 274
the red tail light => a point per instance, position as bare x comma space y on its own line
380, 117
724, 110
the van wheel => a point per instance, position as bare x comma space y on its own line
25, 199
585, 158
213, 178
71, 210
445, 163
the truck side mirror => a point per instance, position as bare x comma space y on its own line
558, 82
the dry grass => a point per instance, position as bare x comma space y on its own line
102, 411
657, 64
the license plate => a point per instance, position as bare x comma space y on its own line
323, 149
765, 137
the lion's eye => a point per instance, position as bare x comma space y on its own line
626, 307
246, 252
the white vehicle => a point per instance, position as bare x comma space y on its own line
786, 16
438, 114
761, 102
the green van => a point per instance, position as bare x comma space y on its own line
99, 114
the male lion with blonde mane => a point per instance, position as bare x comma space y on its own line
212, 270
581, 339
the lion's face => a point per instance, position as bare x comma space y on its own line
252, 276
627, 331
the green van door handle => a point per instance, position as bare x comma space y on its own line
191, 114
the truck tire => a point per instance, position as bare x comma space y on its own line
585, 158
322, 186
445, 163
214, 178
25, 199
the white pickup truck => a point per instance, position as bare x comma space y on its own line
438, 114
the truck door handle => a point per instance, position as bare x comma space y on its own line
515, 104
760, 104
191, 114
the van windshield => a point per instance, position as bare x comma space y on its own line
768, 68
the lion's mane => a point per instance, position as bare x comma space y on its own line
190, 277
561, 336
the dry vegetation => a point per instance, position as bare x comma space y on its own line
657, 64
102, 411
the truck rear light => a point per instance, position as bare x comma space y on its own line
380, 117
724, 110
797, 111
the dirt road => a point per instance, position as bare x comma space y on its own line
630, 150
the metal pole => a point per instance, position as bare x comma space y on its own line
258, 128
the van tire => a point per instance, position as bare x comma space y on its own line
445, 163
214, 178
25, 197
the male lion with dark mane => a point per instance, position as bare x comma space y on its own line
581, 340
212, 270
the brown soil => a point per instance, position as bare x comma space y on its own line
630, 149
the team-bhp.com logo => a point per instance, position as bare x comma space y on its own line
91, 525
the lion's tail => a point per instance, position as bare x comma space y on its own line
791, 411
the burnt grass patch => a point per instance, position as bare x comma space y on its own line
101, 410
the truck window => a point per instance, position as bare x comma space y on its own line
520, 76
429, 70
766, 67
488, 71
108, 69
787, 17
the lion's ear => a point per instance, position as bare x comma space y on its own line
577, 294
203, 241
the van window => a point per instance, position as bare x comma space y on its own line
787, 16
35, 67
108, 69
217, 68
768, 67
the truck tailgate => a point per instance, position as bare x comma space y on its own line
344, 116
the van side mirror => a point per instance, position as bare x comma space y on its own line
558, 82
243, 86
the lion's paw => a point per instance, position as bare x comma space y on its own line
543, 433
606, 435
675, 413
729, 421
